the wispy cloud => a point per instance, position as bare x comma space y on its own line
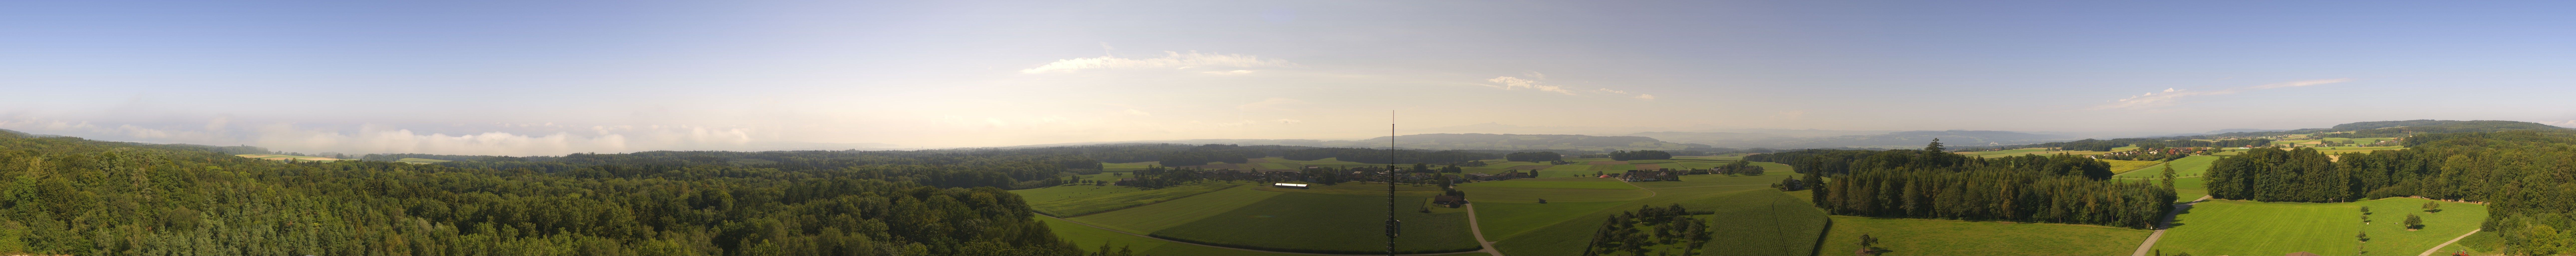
1236, 72
1534, 83
2171, 96
1192, 59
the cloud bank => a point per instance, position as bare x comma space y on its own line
380, 139
1533, 83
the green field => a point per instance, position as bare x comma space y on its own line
1763, 222
294, 157
1568, 237
1594, 183
1078, 200
2225, 227
1088, 239
2125, 166
2189, 166
1510, 207
1156, 217
1951, 237
1314, 222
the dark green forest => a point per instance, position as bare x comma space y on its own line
73, 196
1931, 183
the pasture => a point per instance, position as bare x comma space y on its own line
1762, 222
420, 161
1952, 237
1089, 239
1568, 237
2226, 227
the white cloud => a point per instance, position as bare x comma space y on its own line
1645, 96
381, 139
1236, 72
1175, 60
2171, 96
1515, 83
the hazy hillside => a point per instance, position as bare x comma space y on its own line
1448, 141
1885, 140
2401, 128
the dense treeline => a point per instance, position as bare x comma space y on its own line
1930, 183
1541, 156
1624, 155
1364, 155
73, 196
2268, 174
1639, 232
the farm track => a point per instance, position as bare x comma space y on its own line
2438, 248
2143, 248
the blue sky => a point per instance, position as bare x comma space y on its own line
541, 78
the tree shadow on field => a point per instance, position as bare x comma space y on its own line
2179, 210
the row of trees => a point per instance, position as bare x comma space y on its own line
1624, 155
1931, 183
1541, 156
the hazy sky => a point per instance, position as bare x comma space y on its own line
547, 77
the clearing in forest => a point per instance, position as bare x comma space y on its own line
2227, 227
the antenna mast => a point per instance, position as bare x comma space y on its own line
1393, 226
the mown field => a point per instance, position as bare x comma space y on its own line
1156, 217
1951, 237
1510, 207
2126, 166
1763, 222
2263, 228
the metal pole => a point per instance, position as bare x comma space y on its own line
1392, 226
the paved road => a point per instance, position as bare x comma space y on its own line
2143, 248
1471, 225
2438, 248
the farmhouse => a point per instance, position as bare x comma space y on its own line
1449, 201
1289, 185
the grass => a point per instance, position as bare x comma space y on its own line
1078, 200
2125, 166
1591, 183
1329, 223
1090, 239
1951, 237
2265, 228
1654, 161
1568, 237
1763, 222
1156, 217
2189, 166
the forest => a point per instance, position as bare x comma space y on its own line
1931, 183
74, 196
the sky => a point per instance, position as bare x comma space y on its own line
557, 77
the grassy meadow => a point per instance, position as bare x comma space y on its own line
1156, 217
2126, 166
1078, 200
1952, 237
2189, 166
2224, 227
1332, 223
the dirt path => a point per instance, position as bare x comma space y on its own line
1471, 216
2438, 248
2143, 248
1473, 226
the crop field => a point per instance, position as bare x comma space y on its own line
1590, 183
1314, 222
2263, 228
1078, 200
1511, 207
2036, 151
1611, 167
2189, 166
1156, 217
1951, 237
1650, 161
2125, 166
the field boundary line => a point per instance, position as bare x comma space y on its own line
1143, 205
